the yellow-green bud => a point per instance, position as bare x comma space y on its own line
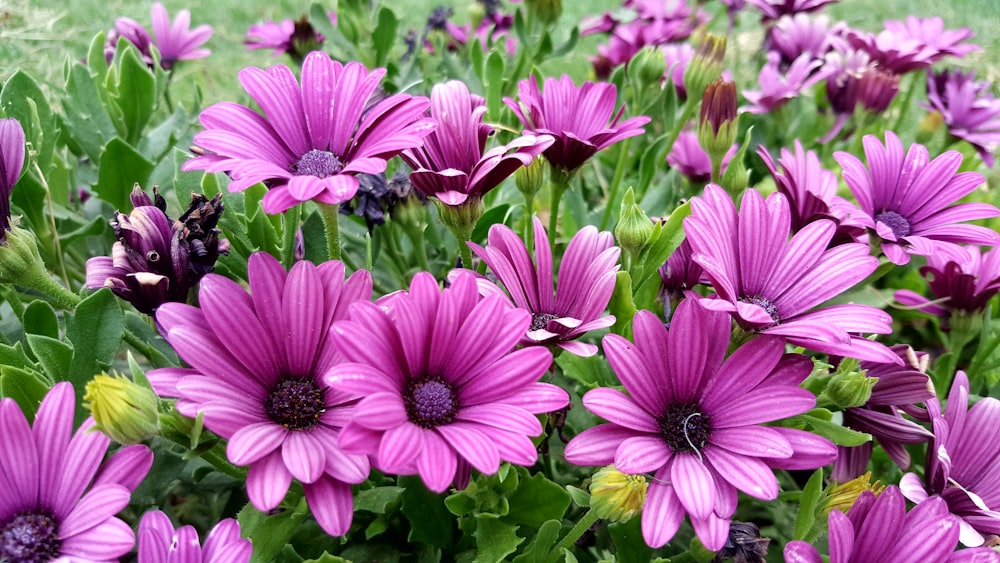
929, 125
705, 66
546, 12
617, 496
717, 122
477, 12
123, 410
530, 179
849, 389
634, 226
841, 496
648, 66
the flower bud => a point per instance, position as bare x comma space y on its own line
849, 389
123, 410
705, 65
617, 496
546, 12
20, 263
717, 123
648, 66
530, 179
841, 496
634, 226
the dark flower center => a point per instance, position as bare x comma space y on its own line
899, 225
430, 402
318, 163
685, 429
296, 403
541, 320
765, 304
30, 537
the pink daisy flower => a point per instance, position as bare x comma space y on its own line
159, 542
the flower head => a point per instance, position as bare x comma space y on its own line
294, 38
967, 108
800, 34
444, 390
159, 542
314, 138
777, 87
269, 400
60, 496
11, 165
582, 119
913, 45
962, 283
906, 198
772, 285
692, 161
774, 9
175, 41
695, 419
559, 314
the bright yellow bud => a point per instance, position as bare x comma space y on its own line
617, 496
123, 410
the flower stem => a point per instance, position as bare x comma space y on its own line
581, 526
616, 181
464, 252
331, 225
291, 227
64, 298
155, 357
52, 221
557, 190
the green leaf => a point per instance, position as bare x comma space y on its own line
808, 503
262, 234
136, 94
629, 545
495, 539
97, 61
96, 226
53, 354
121, 168
569, 45
593, 371
41, 319
384, 35
580, 497
22, 99
377, 500
490, 218
493, 85
95, 330
14, 356
269, 534
86, 118
622, 305
430, 521
327, 558
540, 549
27, 388
537, 500
840, 435
665, 240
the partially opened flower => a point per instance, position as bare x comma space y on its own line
968, 108
962, 283
293, 38
773, 285
561, 314
696, 420
692, 161
175, 41
60, 496
777, 87
444, 389
795, 35
269, 399
313, 139
11, 165
907, 198
880, 530
159, 542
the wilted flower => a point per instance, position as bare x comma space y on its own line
175, 41
968, 108
744, 544
60, 496
906, 198
156, 260
314, 139
268, 399
961, 283
159, 542
696, 419
11, 166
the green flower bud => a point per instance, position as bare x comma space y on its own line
849, 389
717, 123
20, 263
705, 65
530, 179
546, 12
123, 410
648, 66
634, 226
617, 496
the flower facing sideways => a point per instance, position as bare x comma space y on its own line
159, 542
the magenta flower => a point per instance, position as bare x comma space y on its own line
967, 108
587, 276
677, 55
772, 285
582, 119
961, 284
494, 29
963, 459
175, 41
443, 387
11, 166
777, 87
915, 45
453, 164
60, 497
691, 161
774, 9
882, 531
680, 273
294, 38
795, 35
696, 419
313, 139
931, 33
269, 399
906, 198
159, 542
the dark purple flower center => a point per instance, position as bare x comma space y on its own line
541, 320
318, 163
899, 225
765, 304
30, 537
296, 403
685, 429
430, 402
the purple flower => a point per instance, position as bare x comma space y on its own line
931, 33
777, 87
294, 38
968, 108
906, 198
587, 276
443, 387
677, 55
774, 9
313, 139
692, 161
268, 399
772, 285
680, 273
582, 119
494, 28
897, 386
60, 496
453, 164
961, 284
11, 165
914, 45
696, 419
159, 542
963, 460
175, 41
795, 35
881, 531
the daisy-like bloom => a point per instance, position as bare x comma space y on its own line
968, 108
897, 386
495, 28
11, 165
444, 390
777, 87
962, 284
313, 139
963, 459
559, 316
269, 399
60, 497
453, 164
155, 259
159, 542
627, 39
294, 38
906, 198
772, 285
692, 161
582, 119
880, 530
175, 41
917, 44
696, 420
774, 9
795, 35
931, 33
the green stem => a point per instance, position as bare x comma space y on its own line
64, 298
557, 190
616, 181
331, 225
154, 356
581, 526
464, 252
52, 222
291, 227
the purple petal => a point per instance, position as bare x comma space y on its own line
267, 482
332, 504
